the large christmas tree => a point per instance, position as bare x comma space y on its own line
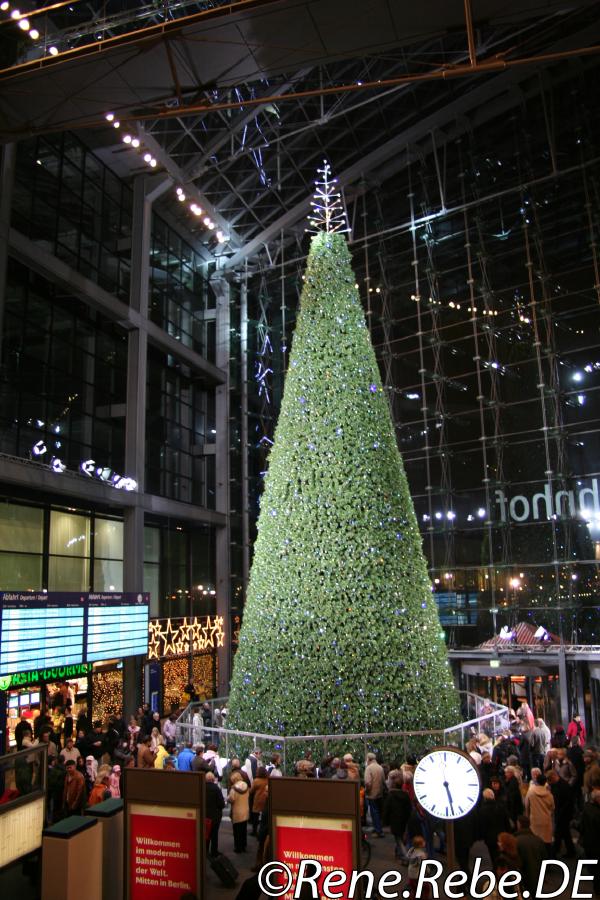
340, 631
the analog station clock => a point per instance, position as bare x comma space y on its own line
447, 783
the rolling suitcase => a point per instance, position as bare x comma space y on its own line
224, 869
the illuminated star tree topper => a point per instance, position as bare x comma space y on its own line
328, 213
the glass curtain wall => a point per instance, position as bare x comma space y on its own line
480, 284
67, 201
63, 390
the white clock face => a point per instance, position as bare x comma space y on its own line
446, 783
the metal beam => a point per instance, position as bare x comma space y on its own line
27, 474
179, 176
199, 165
460, 106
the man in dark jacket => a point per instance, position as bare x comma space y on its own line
396, 813
507, 747
513, 799
93, 743
214, 812
493, 818
589, 829
575, 757
532, 853
564, 810
487, 770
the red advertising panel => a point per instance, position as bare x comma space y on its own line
328, 840
163, 848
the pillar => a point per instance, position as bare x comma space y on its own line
244, 431
563, 685
7, 177
581, 708
222, 542
145, 191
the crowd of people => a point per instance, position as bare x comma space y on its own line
540, 792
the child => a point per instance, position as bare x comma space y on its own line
415, 856
114, 782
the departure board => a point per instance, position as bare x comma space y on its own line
47, 630
41, 630
117, 626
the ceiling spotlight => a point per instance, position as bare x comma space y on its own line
181, 196
206, 220
4, 6
135, 142
212, 226
147, 157
53, 51
24, 24
197, 210
153, 163
116, 124
34, 34
110, 117
15, 14
179, 190
127, 138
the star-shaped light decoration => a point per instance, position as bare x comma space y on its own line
153, 646
328, 212
169, 636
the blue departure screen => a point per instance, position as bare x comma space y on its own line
117, 626
49, 630
41, 630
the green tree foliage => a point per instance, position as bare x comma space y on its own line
340, 631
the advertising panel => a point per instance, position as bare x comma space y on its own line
163, 851
21, 830
164, 834
329, 840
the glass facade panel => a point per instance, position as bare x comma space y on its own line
69, 534
108, 539
20, 572
151, 544
152, 586
66, 574
21, 528
108, 575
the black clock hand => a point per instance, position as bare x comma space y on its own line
449, 797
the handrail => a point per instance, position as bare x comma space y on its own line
498, 712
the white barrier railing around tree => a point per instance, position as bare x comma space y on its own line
491, 718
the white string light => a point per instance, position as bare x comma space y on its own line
328, 212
